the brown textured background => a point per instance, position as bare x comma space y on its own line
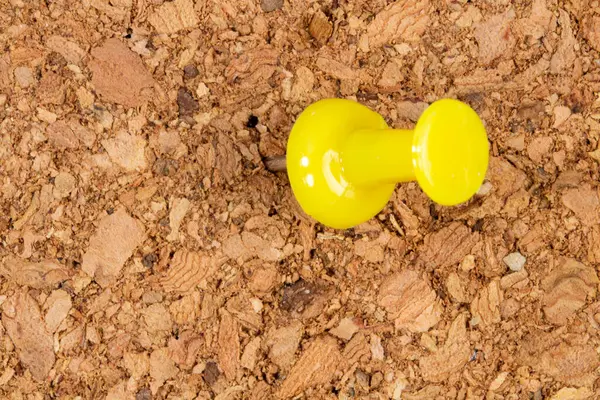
147, 254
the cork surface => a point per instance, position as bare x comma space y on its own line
147, 253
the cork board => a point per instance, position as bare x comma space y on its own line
147, 253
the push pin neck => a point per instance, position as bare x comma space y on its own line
375, 157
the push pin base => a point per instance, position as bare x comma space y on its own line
315, 168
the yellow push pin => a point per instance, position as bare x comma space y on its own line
343, 160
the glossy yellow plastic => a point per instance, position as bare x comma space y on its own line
343, 160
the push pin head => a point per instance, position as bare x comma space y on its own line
343, 160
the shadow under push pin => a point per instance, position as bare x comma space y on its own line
343, 161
